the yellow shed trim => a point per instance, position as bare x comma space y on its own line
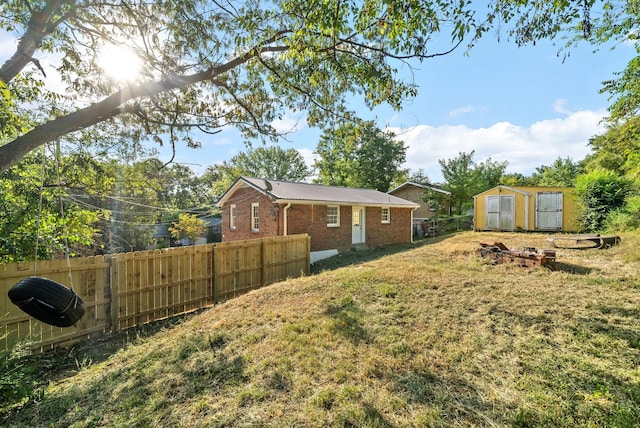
526, 208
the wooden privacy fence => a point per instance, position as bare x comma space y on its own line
129, 289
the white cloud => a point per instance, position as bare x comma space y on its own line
461, 111
291, 122
8, 44
524, 148
220, 141
560, 106
308, 155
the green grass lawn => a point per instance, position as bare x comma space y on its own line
408, 336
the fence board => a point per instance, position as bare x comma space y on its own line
87, 276
124, 290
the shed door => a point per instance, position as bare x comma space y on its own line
549, 211
500, 211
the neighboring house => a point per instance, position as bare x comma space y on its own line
526, 208
214, 230
415, 192
162, 237
336, 218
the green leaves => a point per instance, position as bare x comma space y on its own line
600, 192
360, 155
188, 227
208, 65
269, 162
465, 178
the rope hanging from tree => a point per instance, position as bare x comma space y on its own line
42, 298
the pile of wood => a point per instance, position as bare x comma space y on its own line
528, 256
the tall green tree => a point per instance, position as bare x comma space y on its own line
465, 178
562, 173
617, 149
39, 213
206, 65
271, 162
360, 155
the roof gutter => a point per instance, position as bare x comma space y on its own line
347, 203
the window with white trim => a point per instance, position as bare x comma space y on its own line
232, 217
333, 216
255, 217
386, 215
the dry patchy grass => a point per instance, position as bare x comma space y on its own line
428, 335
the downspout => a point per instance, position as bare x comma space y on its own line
285, 217
411, 230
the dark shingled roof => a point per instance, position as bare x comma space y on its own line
284, 191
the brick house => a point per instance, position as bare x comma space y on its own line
336, 218
415, 192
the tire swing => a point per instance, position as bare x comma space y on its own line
45, 299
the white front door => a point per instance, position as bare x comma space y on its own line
357, 225
549, 211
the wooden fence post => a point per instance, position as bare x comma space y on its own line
214, 280
114, 293
263, 262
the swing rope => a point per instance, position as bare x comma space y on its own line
41, 298
38, 217
62, 215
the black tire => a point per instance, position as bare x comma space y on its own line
47, 301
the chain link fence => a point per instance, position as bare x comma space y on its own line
425, 228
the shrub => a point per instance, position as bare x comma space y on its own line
599, 193
16, 385
626, 218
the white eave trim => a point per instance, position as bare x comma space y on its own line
342, 204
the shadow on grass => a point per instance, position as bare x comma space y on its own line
356, 256
140, 390
64, 363
572, 269
348, 320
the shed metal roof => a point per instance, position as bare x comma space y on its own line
420, 185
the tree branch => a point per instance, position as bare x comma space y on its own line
38, 28
12, 152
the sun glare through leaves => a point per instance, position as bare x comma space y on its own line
120, 63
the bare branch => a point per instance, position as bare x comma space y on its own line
39, 27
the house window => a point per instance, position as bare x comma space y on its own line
333, 216
386, 215
232, 217
255, 217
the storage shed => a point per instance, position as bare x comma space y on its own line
526, 208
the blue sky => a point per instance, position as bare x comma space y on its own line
524, 105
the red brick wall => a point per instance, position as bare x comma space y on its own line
398, 230
267, 210
312, 219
